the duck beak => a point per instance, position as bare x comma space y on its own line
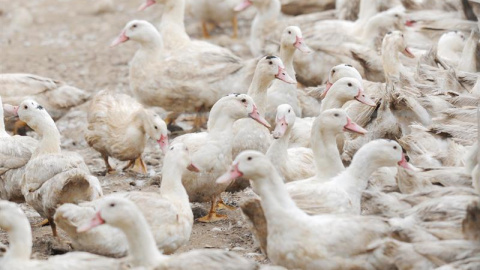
354, 127
97, 220
193, 168
327, 87
404, 163
408, 53
242, 6
229, 176
300, 45
283, 75
146, 4
255, 115
163, 141
12, 110
363, 98
120, 39
410, 23
280, 128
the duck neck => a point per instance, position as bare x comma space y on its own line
20, 238
367, 10
141, 244
153, 45
50, 142
276, 201
327, 158
219, 122
172, 25
171, 186
258, 91
278, 151
391, 61
331, 100
286, 54
360, 170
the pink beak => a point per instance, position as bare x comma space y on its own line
403, 163
193, 168
97, 220
410, 23
13, 110
353, 127
283, 75
280, 128
146, 4
408, 53
120, 39
300, 45
327, 87
163, 141
229, 176
242, 6
257, 117
361, 97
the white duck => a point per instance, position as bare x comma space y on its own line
17, 257
57, 96
292, 163
143, 253
171, 229
299, 241
212, 151
118, 127
450, 47
343, 193
279, 92
15, 152
394, 42
216, 11
249, 134
53, 177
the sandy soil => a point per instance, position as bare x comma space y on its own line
68, 40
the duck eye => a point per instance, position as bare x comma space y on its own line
289, 32
26, 107
389, 33
249, 158
134, 26
270, 62
171, 148
112, 204
333, 71
396, 16
289, 110
349, 84
156, 127
395, 147
244, 100
336, 115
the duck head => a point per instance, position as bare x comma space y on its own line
156, 129
383, 153
178, 154
284, 120
396, 40
337, 121
272, 67
249, 164
338, 72
140, 31
292, 36
346, 89
237, 106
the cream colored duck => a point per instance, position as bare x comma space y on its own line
17, 257
291, 163
143, 253
203, 72
14, 154
217, 11
118, 127
212, 151
248, 134
279, 92
53, 177
299, 241
171, 229
343, 193
342, 91
57, 96
394, 42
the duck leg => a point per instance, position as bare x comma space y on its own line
235, 27
139, 166
107, 164
205, 30
42, 223
222, 205
212, 216
130, 164
53, 226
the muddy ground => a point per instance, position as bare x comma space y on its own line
69, 40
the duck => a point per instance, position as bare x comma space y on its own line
171, 230
52, 176
142, 250
299, 241
450, 47
279, 92
212, 150
118, 127
212, 71
57, 96
291, 163
345, 189
15, 152
214, 12
17, 256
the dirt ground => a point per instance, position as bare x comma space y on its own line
69, 40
